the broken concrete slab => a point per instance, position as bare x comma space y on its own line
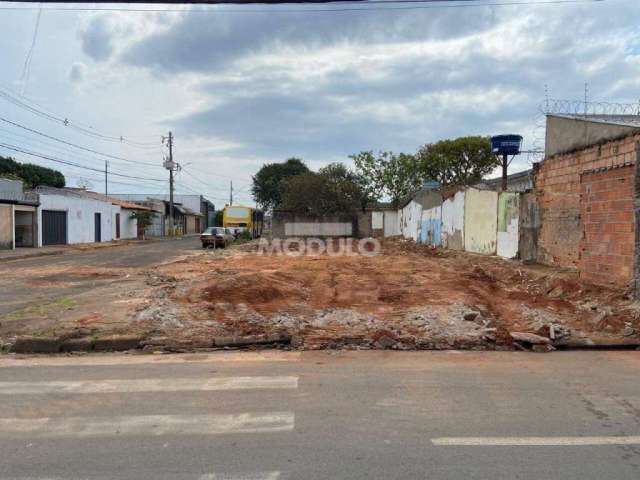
530, 338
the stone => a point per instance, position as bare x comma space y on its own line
531, 338
628, 331
470, 316
546, 348
385, 342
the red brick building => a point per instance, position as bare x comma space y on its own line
586, 199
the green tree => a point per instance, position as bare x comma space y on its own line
218, 220
31, 175
268, 183
144, 219
462, 161
393, 175
334, 189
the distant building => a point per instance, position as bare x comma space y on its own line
18, 215
516, 182
194, 203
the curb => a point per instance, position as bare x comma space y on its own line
113, 343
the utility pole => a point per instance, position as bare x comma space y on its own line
171, 166
231, 193
106, 182
505, 166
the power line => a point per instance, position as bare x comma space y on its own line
89, 131
430, 4
73, 164
115, 157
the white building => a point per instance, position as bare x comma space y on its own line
69, 216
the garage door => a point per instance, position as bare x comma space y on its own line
54, 227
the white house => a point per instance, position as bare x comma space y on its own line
69, 215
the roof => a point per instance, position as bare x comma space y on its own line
81, 192
622, 120
186, 211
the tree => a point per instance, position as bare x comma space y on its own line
218, 220
144, 219
31, 175
334, 189
462, 161
393, 175
268, 183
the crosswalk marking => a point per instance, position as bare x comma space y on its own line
535, 441
148, 385
119, 359
146, 425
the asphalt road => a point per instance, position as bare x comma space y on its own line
37, 280
321, 415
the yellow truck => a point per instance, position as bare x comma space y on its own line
240, 219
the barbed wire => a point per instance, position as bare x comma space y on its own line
580, 107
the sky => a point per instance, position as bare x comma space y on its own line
240, 86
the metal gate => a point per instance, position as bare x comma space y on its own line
54, 227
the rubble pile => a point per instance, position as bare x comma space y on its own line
408, 297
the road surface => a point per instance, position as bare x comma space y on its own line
39, 280
322, 415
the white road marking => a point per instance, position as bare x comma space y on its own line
146, 425
250, 476
534, 441
120, 359
147, 385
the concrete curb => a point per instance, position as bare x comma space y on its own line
113, 343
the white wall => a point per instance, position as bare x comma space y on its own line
453, 222
431, 226
508, 224
128, 225
411, 220
480, 221
80, 217
391, 223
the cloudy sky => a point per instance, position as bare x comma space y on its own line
241, 86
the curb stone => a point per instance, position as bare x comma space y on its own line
251, 340
117, 343
37, 345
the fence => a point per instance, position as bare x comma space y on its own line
479, 221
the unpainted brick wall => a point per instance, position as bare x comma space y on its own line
557, 186
608, 219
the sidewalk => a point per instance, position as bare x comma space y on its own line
26, 252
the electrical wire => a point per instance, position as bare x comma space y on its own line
66, 162
26, 68
11, 98
114, 157
430, 4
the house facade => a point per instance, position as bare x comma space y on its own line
18, 215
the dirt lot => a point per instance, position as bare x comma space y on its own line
409, 296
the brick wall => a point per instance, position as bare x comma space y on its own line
558, 188
608, 220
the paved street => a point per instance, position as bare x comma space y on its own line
38, 287
322, 415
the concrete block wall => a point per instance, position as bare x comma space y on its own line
6, 226
480, 221
558, 188
608, 219
508, 237
453, 222
431, 226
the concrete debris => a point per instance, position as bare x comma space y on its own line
470, 316
530, 338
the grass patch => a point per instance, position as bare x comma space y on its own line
41, 310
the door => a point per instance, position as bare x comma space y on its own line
97, 227
117, 226
54, 227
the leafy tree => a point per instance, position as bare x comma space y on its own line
268, 183
462, 161
144, 218
334, 189
218, 220
393, 175
32, 175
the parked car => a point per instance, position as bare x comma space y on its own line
216, 237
